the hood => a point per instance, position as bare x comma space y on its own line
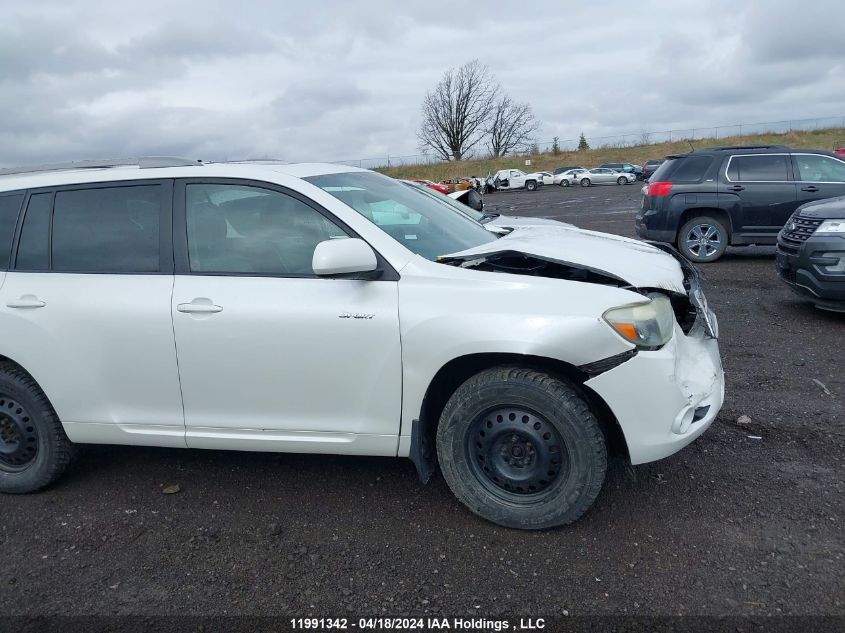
828, 209
516, 221
629, 261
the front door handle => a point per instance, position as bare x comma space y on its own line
26, 301
810, 188
201, 305
736, 188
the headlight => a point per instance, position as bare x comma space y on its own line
832, 226
646, 325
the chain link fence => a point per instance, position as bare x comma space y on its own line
632, 139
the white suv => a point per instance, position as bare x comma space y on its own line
326, 309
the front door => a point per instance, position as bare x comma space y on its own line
272, 357
819, 177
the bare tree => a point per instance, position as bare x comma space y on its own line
456, 111
511, 126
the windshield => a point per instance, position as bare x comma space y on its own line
419, 222
457, 206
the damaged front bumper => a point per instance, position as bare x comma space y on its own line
666, 398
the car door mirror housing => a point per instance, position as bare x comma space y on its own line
347, 257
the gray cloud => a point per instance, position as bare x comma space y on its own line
343, 80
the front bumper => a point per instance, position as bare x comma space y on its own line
665, 399
802, 268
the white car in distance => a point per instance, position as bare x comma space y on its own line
604, 176
508, 179
319, 308
568, 177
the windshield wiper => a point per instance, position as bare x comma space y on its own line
486, 217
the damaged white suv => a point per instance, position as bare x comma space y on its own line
325, 309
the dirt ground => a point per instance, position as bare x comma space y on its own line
732, 525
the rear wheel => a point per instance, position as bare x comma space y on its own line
703, 239
531, 185
621, 180
585, 182
521, 448
34, 450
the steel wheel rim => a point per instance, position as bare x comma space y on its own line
516, 454
703, 240
18, 436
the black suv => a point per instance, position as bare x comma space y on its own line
811, 253
626, 167
650, 166
709, 199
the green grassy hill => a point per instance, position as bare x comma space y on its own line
825, 139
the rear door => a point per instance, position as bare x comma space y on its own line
85, 309
765, 192
819, 176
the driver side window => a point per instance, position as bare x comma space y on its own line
239, 229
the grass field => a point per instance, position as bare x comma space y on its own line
824, 139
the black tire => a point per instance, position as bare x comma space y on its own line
531, 185
34, 450
521, 448
564, 182
621, 180
585, 182
703, 239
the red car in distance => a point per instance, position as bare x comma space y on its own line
839, 151
433, 185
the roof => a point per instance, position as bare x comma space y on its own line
91, 171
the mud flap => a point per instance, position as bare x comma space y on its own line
422, 451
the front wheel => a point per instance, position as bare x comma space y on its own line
34, 450
621, 180
585, 182
531, 185
521, 448
703, 239
564, 183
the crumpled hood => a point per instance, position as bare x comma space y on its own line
636, 263
518, 221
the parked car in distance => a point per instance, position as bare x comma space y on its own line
568, 177
560, 170
705, 200
839, 151
505, 179
356, 315
628, 168
434, 185
811, 253
457, 184
471, 204
547, 177
604, 176
650, 166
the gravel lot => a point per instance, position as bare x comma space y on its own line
730, 525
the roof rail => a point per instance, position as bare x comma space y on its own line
145, 162
743, 147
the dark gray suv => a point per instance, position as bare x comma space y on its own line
709, 199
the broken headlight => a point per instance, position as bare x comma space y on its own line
647, 325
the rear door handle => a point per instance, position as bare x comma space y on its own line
810, 188
736, 188
200, 305
26, 301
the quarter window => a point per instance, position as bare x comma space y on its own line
759, 168
247, 230
113, 229
34, 247
816, 168
692, 169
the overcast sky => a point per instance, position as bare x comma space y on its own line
344, 80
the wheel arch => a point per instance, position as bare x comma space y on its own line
714, 212
458, 370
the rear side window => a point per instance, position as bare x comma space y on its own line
113, 229
34, 246
691, 169
759, 168
10, 206
818, 168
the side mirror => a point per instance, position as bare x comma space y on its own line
341, 257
